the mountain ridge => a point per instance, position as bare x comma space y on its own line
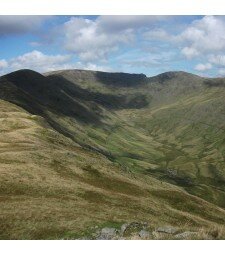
142, 74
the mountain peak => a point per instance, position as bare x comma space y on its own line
171, 75
25, 78
22, 72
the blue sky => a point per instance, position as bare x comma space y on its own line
136, 44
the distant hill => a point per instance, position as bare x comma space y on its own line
84, 148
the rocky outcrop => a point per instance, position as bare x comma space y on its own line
139, 230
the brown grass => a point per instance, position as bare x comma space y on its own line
59, 190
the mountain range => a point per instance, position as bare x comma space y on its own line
83, 149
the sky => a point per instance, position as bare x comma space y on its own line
134, 44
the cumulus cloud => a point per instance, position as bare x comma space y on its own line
141, 41
95, 40
85, 38
203, 67
189, 52
18, 24
40, 62
203, 36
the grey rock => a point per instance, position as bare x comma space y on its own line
123, 228
144, 234
107, 234
185, 234
172, 172
167, 229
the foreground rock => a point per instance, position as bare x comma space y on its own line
123, 228
108, 234
139, 230
144, 234
167, 230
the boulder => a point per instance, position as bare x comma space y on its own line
144, 234
108, 234
123, 228
167, 229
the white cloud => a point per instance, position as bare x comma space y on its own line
95, 40
203, 36
3, 64
141, 41
18, 24
189, 52
203, 67
85, 38
38, 61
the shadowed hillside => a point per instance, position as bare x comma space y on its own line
176, 136
83, 148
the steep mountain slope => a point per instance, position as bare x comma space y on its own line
177, 135
80, 148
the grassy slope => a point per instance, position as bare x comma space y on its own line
53, 186
178, 137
